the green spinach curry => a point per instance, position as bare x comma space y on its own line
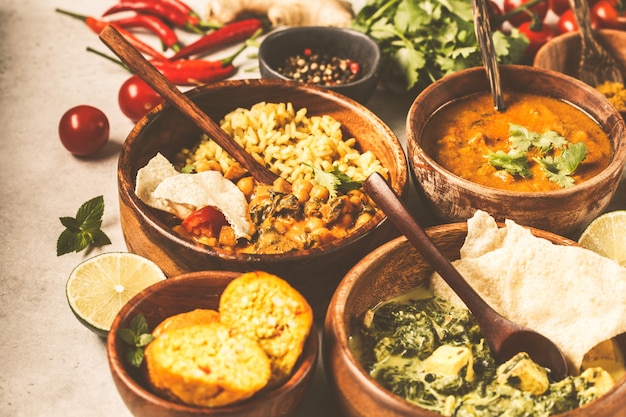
422, 348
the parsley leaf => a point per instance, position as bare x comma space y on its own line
335, 180
559, 169
83, 230
137, 337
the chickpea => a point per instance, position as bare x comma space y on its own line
357, 198
246, 185
313, 223
281, 185
322, 235
301, 189
320, 192
363, 218
345, 220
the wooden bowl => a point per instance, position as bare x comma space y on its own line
315, 272
391, 270
454, 199
334, 41
185, 293
562, 53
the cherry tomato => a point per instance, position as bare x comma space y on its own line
540, 10
567, 22
538, 34
559, 6
136, 98
84, 130
609, 15
206, 221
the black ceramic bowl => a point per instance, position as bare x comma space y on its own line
340, 42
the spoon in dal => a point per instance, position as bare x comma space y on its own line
147, 72
482, 27
505, 338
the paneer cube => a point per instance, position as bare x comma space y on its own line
522, 373
450, 360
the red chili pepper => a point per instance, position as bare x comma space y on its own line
226, 35
96, 25
354, 67
168, 36
155, 8
194, 71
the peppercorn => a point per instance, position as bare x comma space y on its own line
312, 67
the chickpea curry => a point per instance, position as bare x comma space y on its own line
537, 144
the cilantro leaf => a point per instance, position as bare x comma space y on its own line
84, 230
137, 337
559, 169
335, 180
515, 162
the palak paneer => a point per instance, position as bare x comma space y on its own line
538, 143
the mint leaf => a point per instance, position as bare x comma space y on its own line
84, 230
137, 337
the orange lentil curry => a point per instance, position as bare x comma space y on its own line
467, 136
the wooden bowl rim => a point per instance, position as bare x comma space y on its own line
618, 160
305, 368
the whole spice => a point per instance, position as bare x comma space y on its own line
168, 36
319, 68
155, 8
96, 25
193, 17
226, 35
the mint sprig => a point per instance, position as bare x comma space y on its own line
84, 230
137, 337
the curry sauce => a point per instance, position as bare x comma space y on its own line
462, 134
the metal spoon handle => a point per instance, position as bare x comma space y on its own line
482, 27
147, 72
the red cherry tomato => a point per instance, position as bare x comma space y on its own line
540, 10
206, 221
609, 14
537, 34
559, 6
84, 130
136, 98
567, 22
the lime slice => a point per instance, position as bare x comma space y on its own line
98, 287
606, 236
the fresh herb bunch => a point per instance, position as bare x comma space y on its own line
558, 168
137, 337
423, 40
83, 230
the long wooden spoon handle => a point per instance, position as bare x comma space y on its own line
147, 72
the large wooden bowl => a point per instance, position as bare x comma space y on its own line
454, 199
315, 272
181, 294
562, 53
389, 271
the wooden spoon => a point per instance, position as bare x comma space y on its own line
504, 337
147, 72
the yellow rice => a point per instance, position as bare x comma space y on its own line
284, 139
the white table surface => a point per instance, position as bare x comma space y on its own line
50, 364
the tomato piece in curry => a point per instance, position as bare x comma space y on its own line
461, 135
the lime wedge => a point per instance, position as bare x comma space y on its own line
606, 236
99, 286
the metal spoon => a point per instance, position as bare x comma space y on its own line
147, 72
482, 27
504, 337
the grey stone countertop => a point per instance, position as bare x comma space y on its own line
51, 365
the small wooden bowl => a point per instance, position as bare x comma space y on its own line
334, 41
185, 293
315, 272
454, 199
562, 53
391, 270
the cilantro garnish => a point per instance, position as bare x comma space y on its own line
558, 169
137, 337
83, 230
335, 180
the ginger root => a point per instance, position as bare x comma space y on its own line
337, 13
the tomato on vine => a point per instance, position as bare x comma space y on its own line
558, 7
136, 98
538, 34
567, 22
610, 14
519, 11
84, 130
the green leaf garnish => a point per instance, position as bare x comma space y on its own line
559, 169
137, 337
335, 180
83, 230
514, 162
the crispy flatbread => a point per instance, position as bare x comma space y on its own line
569, 294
